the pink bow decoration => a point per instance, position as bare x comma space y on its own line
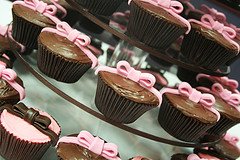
73, 35
61, 8
41, 7
184, 89
227, 32
233, 140
195, 157
233, 84
9, 76
220, 17
236, 29
231, 98
94, 144
124, 69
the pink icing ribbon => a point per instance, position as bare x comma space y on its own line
6, 31
236, 29
227, 32
195, 157
219, 16
61, 8
184, 89
231, 98
9, 76
124, 69
73, 35
233, 140
231, 83
94, 144
47, 10
190, 8
173, 7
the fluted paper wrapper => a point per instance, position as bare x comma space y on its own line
13, 148
25, 32
100, 7
150, 29
204, 52
116, 107
222, 126
179, 125
57, 67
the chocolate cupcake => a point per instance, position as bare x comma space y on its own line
29, 18
85, 146
63, 53
99, 7
157, 24
209, 43
124, 94
11, 86
227, 104
186, 113
139, 158
39, 133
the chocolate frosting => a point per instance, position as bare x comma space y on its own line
33, 117
214, 36
227, 149
32, 16
160, 12
71, 151
63, 47
128, 88
192, 109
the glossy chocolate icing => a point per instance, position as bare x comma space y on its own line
128, 88
70, 151
32, 16
159, 12
63, 47
214, 36
191, 109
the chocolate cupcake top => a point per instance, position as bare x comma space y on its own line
167, 9
216, 31
86, 146
130, 83
68, 43
38, 12
193, 103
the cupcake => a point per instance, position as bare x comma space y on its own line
209, 43
11, 86
139, 158
186, 113
99, 7
182, 156
86, 146
69, 58
157, 24
29, 18
39, 133
227, 104
216, 15
226, 148
124, 94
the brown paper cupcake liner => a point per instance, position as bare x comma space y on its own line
15, 149
116, 107
179, 125
222, 126
150, 29
59, 68
204, 52
25, 32
100, 7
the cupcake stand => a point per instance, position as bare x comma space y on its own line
72, 105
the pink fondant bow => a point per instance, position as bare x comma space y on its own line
184, 89
94, 144
231, 98
124, 69
233, 140
9, 76
219, 16
78, 38
195, 157
41, 7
